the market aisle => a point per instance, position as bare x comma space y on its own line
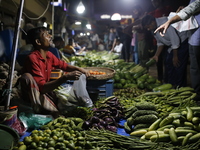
153, 72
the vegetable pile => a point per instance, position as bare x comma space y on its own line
106, 115
180, 128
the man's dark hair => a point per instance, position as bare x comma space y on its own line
34, 34
146, 20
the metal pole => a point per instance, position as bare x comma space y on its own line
53, 19
14, 52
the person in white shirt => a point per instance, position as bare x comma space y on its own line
118, 47
95, 40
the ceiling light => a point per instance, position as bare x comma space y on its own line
77, 23
88, 26
80, 8
116, 16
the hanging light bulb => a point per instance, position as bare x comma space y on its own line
80, 8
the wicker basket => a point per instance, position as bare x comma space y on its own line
109, 73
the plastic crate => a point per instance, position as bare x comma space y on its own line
105, 87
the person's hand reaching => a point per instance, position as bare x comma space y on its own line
162, 29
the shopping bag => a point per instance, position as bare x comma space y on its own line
73, 96
186, 25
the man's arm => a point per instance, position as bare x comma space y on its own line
184, 14
157, 54
162, 29
51, 85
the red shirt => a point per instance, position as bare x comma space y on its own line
40, 69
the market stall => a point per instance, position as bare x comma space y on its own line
133, 115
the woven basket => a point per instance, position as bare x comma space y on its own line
109, 73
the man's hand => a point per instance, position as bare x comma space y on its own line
155, 57
74, 75
162, 29
86, 72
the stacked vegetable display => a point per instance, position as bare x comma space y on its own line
67, 134
181, 128
106, 115
141, 116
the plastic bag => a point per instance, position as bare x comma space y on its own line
10, 119
72, 96
186, 25
34, 121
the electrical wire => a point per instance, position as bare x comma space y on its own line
40, 15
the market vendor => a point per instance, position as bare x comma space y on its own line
69, 48
36, 86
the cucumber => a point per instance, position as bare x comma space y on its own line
180, 139
186, 139
141, 126
162, 87
145, 119
166, 120
184, 128
151, 133
138, 132
195, 120
150, 62
173, 135
151, 80
197, 127
166, 130
188, 124
130, 121
195, 109
165, 127
155, 125
127, 128
160, 138
189, 115
186, 89
144, 112
139, 73
194, 138
145, 106
177, 122
184, 132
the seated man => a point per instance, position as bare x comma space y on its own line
118, 47
69, 48
78, 48
35, 82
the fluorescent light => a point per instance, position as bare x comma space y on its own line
58, 3
105, 16
77, 23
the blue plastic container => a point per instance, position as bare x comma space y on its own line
105, 87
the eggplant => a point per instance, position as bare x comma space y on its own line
103, 123
111, 128
108, 120
86, 125
94, 119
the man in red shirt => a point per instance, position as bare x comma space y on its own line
35, 82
